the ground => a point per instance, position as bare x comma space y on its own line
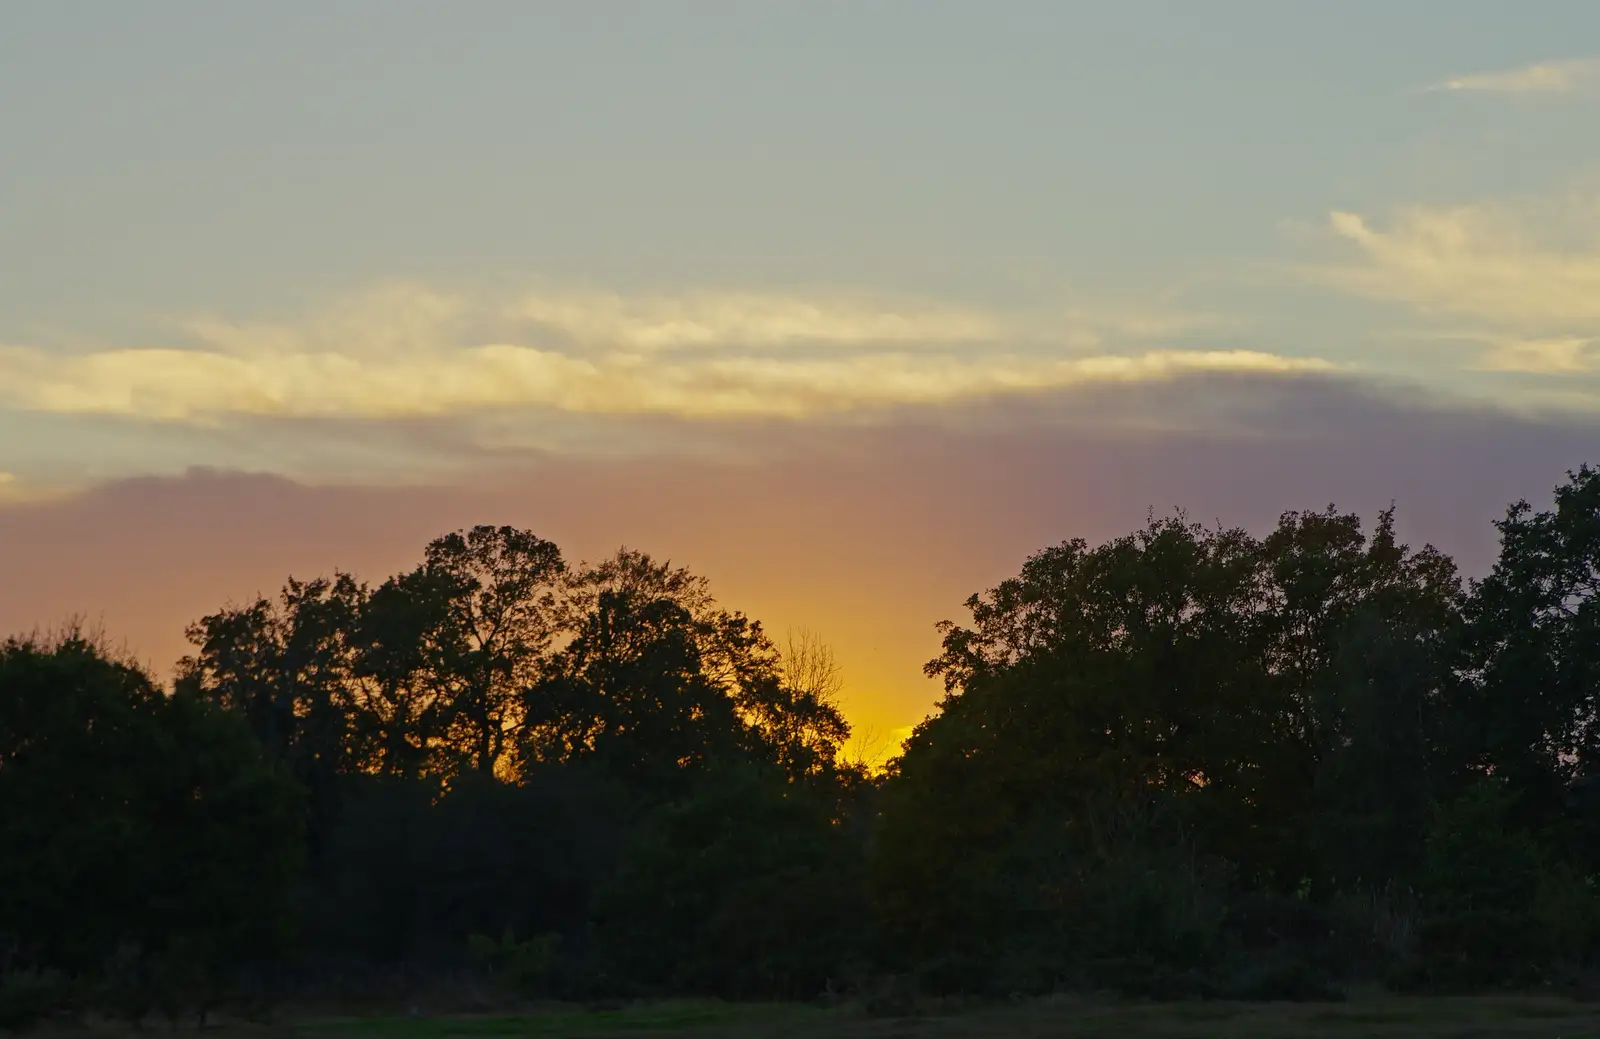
1377, 1016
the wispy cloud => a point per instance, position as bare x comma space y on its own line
1528, 275
1564, 355
407, 352
1555, 77
197, 385
391, 319
1474, 260
411, 318
709, 319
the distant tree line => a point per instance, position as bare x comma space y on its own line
1189, 762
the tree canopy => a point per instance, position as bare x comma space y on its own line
1190, 760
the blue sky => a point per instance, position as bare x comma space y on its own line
379, 243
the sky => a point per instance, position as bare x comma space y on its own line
848, 306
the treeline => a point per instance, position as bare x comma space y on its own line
1190, 762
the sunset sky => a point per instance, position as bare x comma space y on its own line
848, 306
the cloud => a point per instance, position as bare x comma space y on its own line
1473, 260
1528, 275
1563, 355
752, 319
407, 352
1556, 77
199, 385
398, 318
408, 318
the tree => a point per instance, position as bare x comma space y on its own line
452, 645
802, 716
774, 712
743, 889
288, 669
1385, 760
131, 820
1222, 685
1096, 684
734, 651
1360, 630
1533, 658
629, 693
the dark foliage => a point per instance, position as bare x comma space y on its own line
1188, 763
136, 828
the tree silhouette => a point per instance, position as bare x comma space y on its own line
135, 824
1190, 761
1534, 626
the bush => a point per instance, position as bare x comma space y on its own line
1371, 932
1145, 977
27, 997
524, 966
894, 996
1058, 907
1260, 921
1477, 950
1287, 980
746, 889
127, 815
1475, 861
1568, 908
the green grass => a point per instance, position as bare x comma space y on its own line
1378, 1017
666, 1019
1381, 1017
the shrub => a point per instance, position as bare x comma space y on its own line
1259, 920
523, 966
1568, 909
1474, 861
1288, 980
1476, 950
27, 997
1371, 932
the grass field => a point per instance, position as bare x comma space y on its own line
1378, 1016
